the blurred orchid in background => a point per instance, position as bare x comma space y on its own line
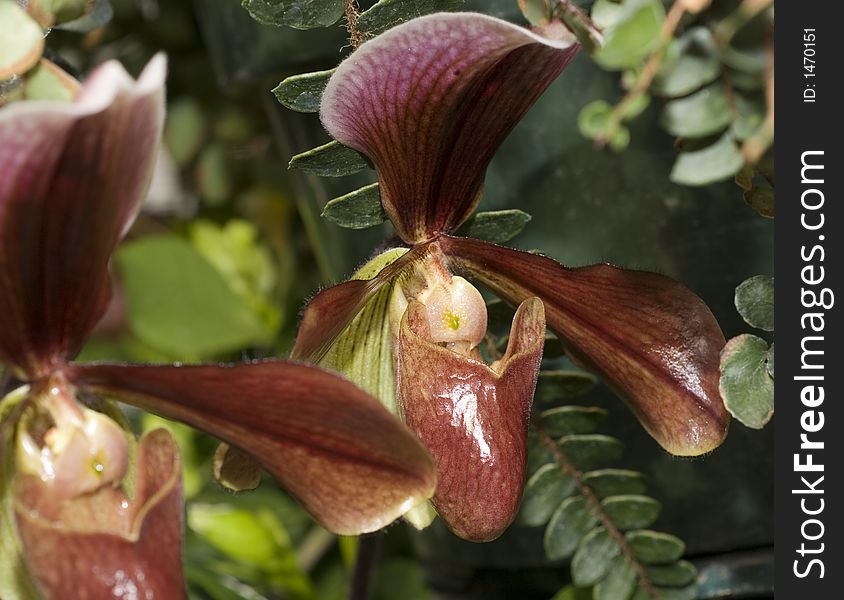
428, 102
74, 174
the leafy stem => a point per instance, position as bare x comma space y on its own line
595, 506
649, 71
350, 9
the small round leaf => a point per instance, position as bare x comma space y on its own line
755, 302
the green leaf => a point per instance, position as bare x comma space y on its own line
303, 93
15, 582
655, 547
299, 14
565, 420
536, 12
593, 558
746, 386
631, 31
594, 120
97, 14
553, 386
680, 574
702, 114
755, 302
569, 524
252, 538
45, 81
497, 226
543, 493
614, 482
247, 266
751, 114
761, 199
357, 210
631, 511
185, 130
715, 162
389, 13
590, 451
330, 160
636, 106
21, 40
180, 305
620, 582
691, 62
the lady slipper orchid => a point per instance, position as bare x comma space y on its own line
428, 102
73, 178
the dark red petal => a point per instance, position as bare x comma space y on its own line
473, 419
651, 338
330, 312
430, 101
103, 545
350, 462
73, 176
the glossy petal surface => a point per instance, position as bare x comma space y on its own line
73, 176
430, 101
350, 462
472, 418
651, 338
104, 545
330, 311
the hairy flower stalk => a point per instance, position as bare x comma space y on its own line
428, 102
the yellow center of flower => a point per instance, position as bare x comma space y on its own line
452, 320
97, 465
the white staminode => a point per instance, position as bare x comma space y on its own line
456, 312
82, 451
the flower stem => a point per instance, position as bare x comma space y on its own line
595, 506
364, 564
351, 11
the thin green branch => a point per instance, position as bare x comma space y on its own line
755, 146
586, 31
737, 19
597, 509
652, 65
